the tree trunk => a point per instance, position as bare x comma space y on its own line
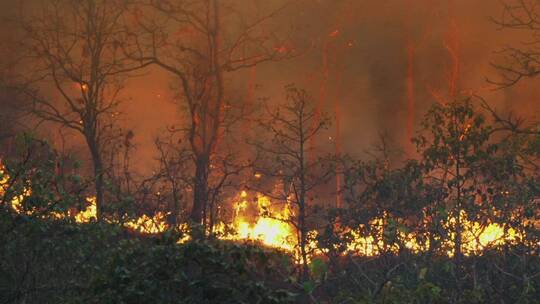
98, 175
458, 229
200, 196
302, 203
176, 204
303, 240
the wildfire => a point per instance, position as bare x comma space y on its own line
143, 224
89, 213
268, 225
261, 220
16, 202
149, 225
271, 226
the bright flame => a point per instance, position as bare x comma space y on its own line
269, 225
149, 225
262, 221
143, 224
89, 213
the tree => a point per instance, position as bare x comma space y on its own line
520, 62
200, 42
482, 169
291, 127
75, 70
454, 145
173, 159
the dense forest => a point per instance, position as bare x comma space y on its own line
201, 151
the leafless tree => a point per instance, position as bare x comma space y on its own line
200, 42
74, 70
523, 60
288, 147
173, 169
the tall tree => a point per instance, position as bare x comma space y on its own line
200, 42
74, 70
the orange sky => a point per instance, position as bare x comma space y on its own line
367, 67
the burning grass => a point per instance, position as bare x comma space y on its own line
261, 221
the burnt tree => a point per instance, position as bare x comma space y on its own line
73, 71
200, 42
293, 160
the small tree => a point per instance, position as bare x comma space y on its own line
289, 129
453, 144
482, 169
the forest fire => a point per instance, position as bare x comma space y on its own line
269, 151
261, 221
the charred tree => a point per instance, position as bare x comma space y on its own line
193, 41
74, 47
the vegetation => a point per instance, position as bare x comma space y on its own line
241, 206
46, 257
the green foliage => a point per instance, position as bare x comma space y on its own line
60, 262
467, 163
463, 166
198, 272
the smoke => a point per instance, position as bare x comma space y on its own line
367, 67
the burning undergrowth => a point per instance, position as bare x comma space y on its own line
257, 219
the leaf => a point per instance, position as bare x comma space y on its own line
309, 286
422, 273
318, 268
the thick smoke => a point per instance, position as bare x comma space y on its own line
366, 63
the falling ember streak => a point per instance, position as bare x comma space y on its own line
250, 98
322, 90
410, 89
409, 81
451, 43
338, 150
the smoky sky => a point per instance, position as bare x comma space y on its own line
362, 46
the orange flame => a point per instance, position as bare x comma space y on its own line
270, 225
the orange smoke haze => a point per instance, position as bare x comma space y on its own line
374, 65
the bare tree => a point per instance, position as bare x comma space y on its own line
75, 70
291, 128
521, 61
200, 42
173, 158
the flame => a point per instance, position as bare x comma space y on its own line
16, 202
269, 225
143, 224
260, 220
89, 213
149, 225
